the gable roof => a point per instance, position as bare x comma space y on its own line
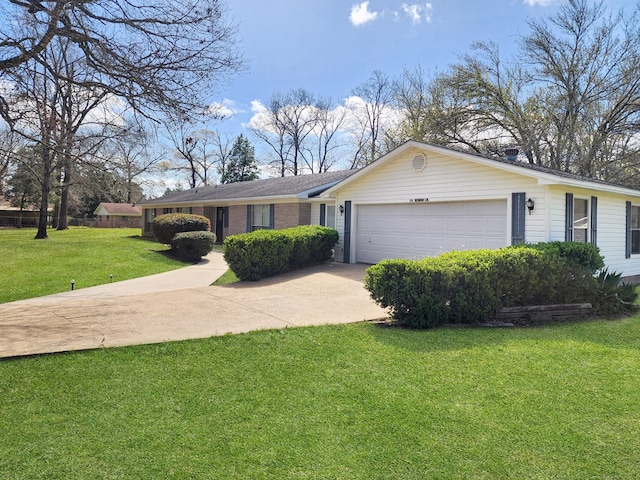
118, 209
544, 175
300, 186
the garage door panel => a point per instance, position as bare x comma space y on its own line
420, 230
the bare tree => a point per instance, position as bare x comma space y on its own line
373, 99
570, 102
329, 122
413, 98
166, 54
199, 152
160, 57
289, 120
51, 107
10, 144
130, 159
222, 147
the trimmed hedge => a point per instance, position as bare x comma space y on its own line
193, 246
167, 226
264, 253
468, 287
576, 254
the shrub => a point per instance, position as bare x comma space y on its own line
263, 253
193, 246
415, 298
255, 255
468, 287
167, 226
614, 297
576, 254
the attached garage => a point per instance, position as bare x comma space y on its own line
418, 230
421, 200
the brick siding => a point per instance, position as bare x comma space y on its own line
287, 215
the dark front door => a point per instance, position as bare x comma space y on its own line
219, 224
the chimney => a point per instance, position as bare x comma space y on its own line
511, 154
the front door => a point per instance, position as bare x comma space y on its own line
219, 224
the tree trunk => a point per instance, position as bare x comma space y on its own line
44, 202
64, 200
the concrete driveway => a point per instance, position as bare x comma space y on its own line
137, 313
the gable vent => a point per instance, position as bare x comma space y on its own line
419, 162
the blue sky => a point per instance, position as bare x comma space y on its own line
331, 46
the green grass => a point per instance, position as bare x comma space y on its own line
227, 278
347, 402
32, 268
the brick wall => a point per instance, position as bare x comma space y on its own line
237, 220
287, 215
117, 221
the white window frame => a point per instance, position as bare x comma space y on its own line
635, 229
583, 221
330, 216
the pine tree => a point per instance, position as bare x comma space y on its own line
242, 165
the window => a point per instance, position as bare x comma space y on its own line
635, 229
330, 220
260, 217
149, 215
167, 210
580, 219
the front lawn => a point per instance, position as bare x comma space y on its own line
338, 402
32, 268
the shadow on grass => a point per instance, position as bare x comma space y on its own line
610, 333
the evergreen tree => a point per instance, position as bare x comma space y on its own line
242, 165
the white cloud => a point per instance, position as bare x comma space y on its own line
416, 12
541, 3
223, 109
360, 14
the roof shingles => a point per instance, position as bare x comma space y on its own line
303, 185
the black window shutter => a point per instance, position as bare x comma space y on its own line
517, 218
272, 209
249, 212
568, 227
627, 243
347, 232
594, 220
323, 214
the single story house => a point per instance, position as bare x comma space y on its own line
11, 216
241, 207
420, 200
118, 215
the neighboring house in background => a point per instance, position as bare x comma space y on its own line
118, 215
420, 200
234, 208
11, 216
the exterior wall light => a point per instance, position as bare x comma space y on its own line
530, 205
341, 208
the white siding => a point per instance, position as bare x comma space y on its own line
444, 179
315, 214
612, 236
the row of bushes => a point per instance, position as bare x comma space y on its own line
468, 287
263, 253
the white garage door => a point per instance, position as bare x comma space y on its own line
420, 230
